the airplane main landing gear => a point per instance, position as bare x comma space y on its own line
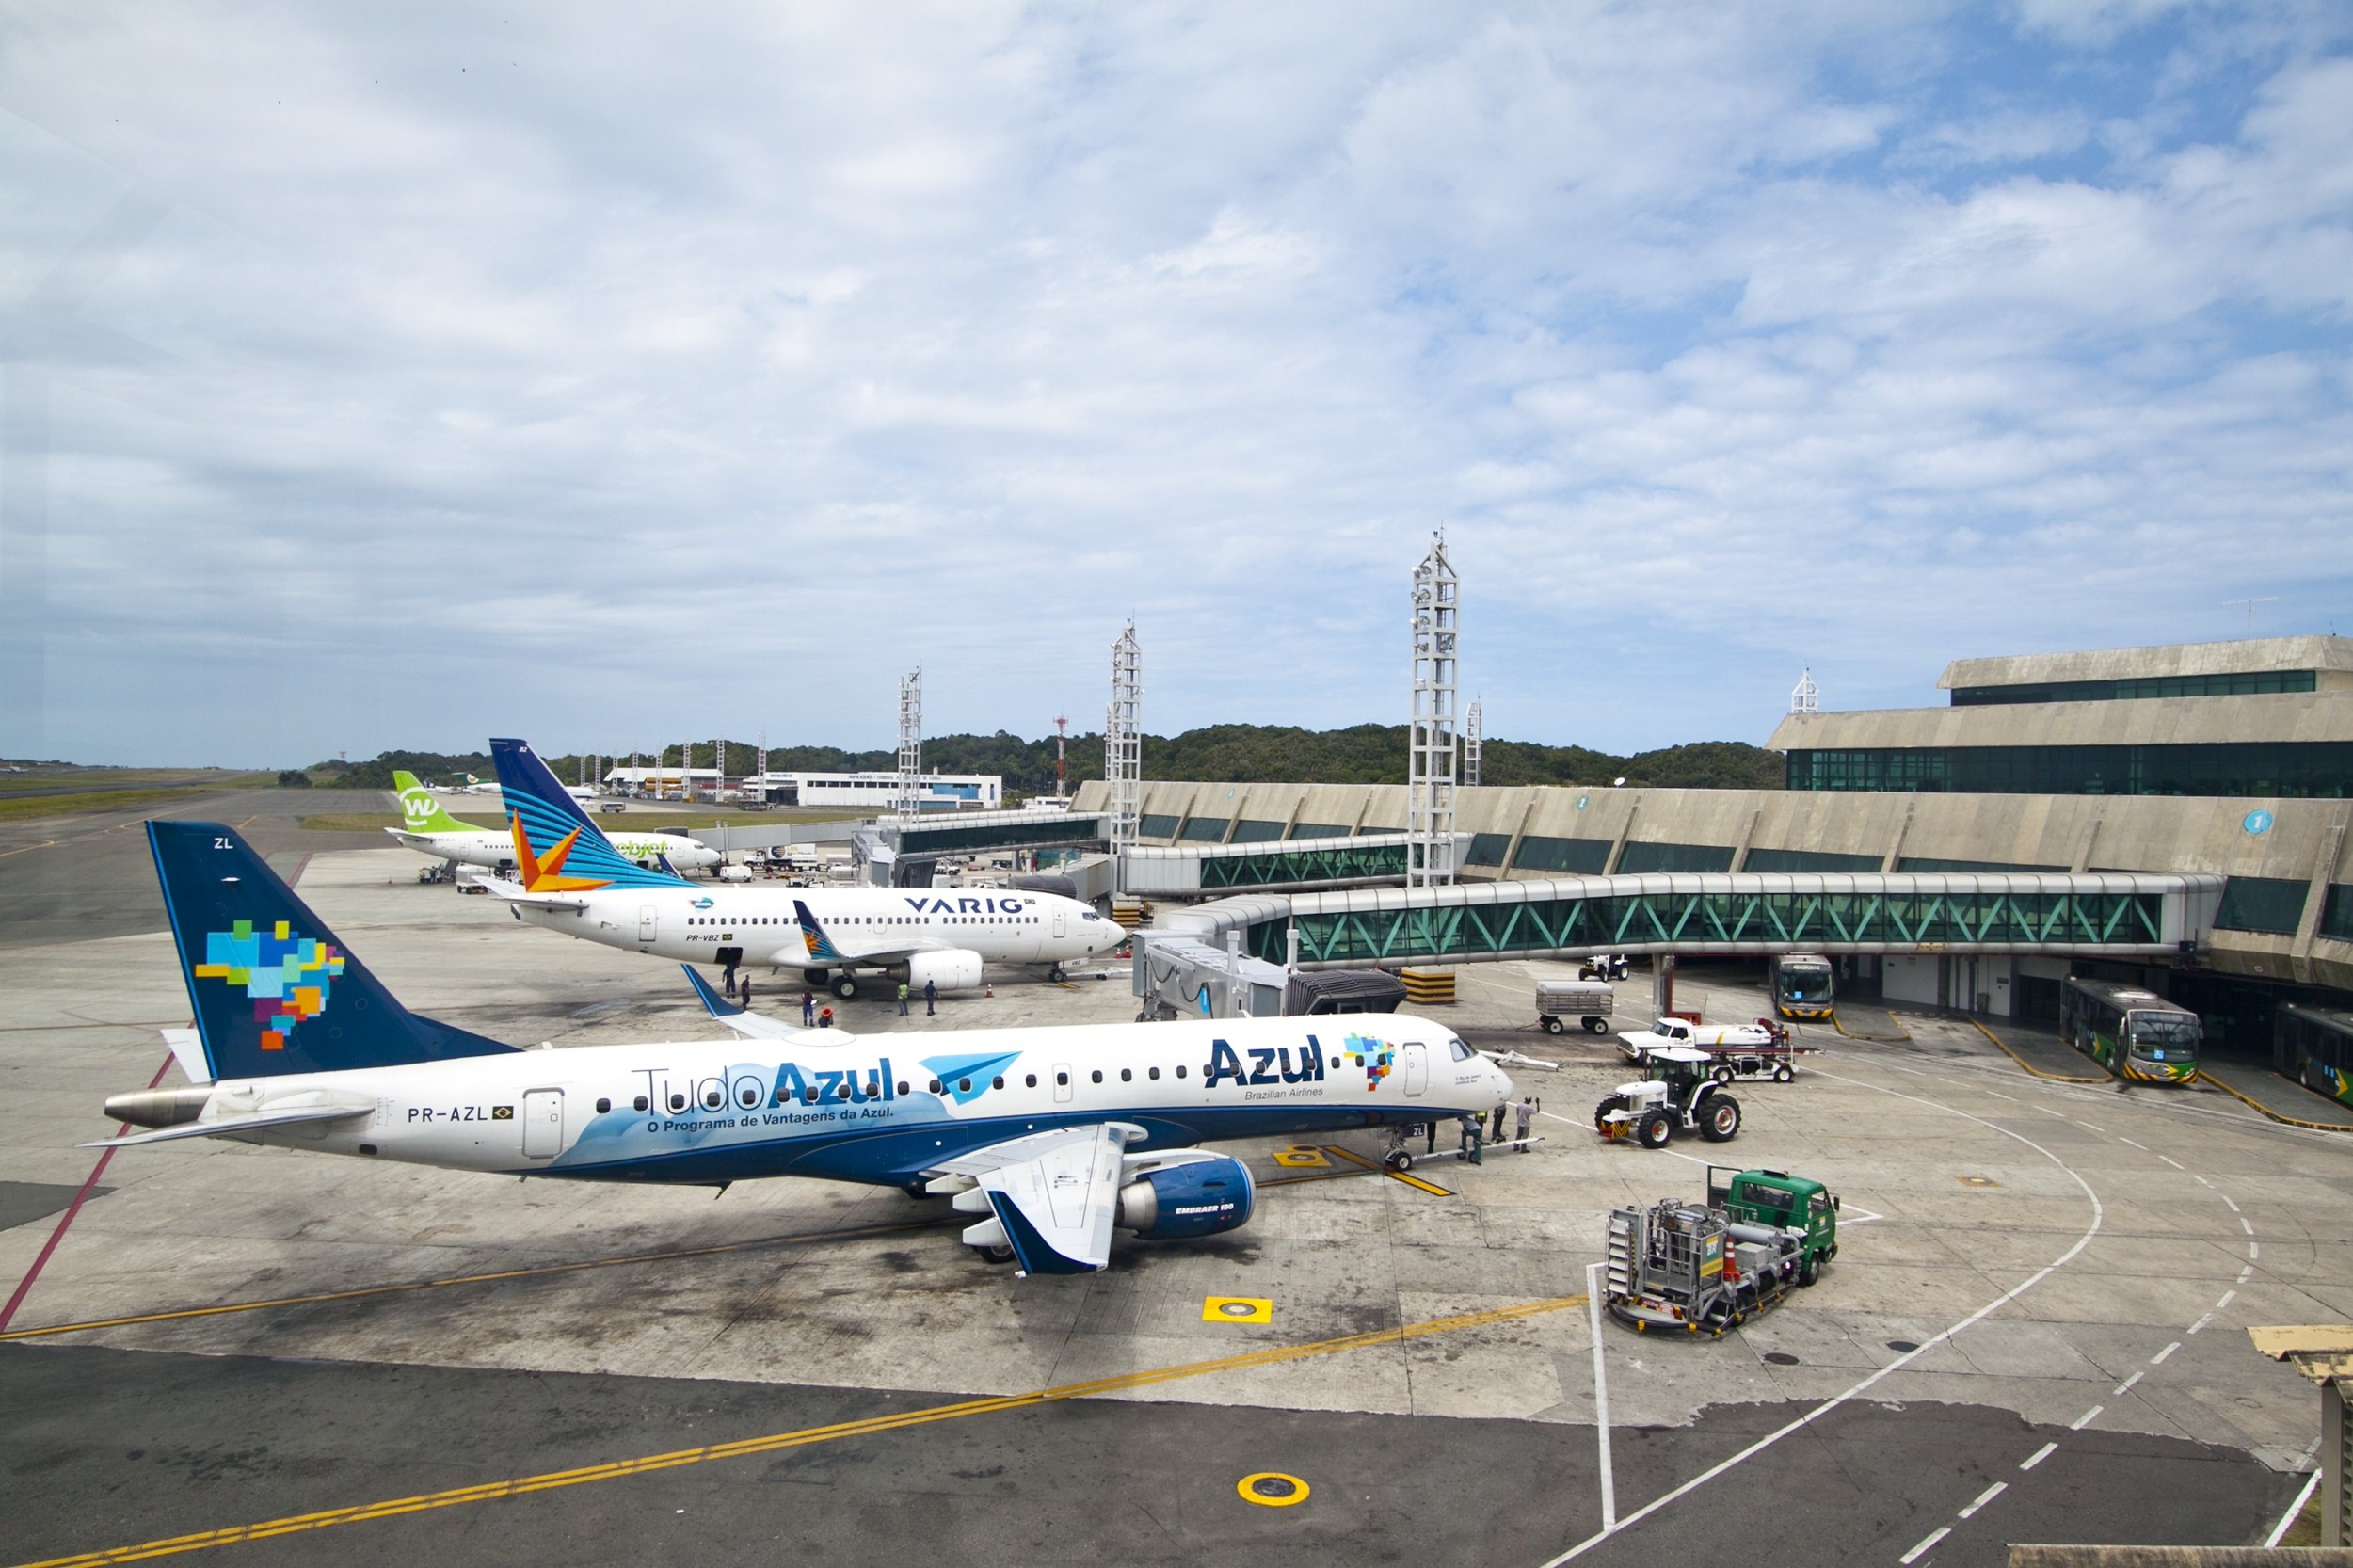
1055, 974
844, 986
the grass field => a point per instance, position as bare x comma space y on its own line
24, 807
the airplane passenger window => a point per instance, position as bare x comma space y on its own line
903, 1086
996, 1083
1127, 1074
713, 1099
1181, 1069
1031, 1081
603, 1106
1156, 1074
640, 1103
964, 1086
935, 1088
1097, 1075
678, 1102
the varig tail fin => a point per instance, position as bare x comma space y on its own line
275, 992
420, 811
813, 935
553, 835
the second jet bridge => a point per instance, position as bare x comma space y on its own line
2098, 914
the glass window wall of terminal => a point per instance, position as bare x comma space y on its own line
2294, 770
2246, 683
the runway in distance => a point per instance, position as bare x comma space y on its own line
568, 879
428, 830
1052, 1138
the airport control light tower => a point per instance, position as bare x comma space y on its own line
1123, 752
911, 743
1430, 754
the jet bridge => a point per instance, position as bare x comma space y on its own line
1295, 865
2098, 914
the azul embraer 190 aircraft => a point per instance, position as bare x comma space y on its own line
569, 880
428, 830
1051, 1138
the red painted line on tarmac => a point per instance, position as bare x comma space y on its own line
24, 1286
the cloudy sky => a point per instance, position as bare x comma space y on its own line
397, 375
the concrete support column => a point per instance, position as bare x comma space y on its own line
1511, 851
1740, 851
2091, 838
1626, 831
1896, 851
2315, 903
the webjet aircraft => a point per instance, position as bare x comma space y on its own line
568, 879
1052, 1138
428, 830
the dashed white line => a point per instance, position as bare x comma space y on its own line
2130, 1381
2158, 1359
2254, 1252
2039, 1456
2085, 1419
2226, 1296
2142, 1147
2200, 1180
2232, 1201
1917, 1552
2048, 1111
2175, 1163
1985, 1497
2245, 1227
1999, 1095
2246, 1274
2201, 1323
2100, 1130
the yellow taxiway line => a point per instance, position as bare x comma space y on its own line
1393, 1176
620, 1468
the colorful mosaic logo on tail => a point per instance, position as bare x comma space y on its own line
1377, 1056
287, 977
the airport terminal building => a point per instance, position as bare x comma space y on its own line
2230, 760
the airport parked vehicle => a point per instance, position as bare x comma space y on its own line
1604, 966
1677, 1095
2315, 1047
1676, 1031
1711, 1266
1805, 985
1588, 1002
2136, 1034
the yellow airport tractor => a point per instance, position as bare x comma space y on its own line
1676, 1093
1705, 1268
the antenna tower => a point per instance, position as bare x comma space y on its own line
1807, 697
1430, 754
1061, 758
1473, 734
1123, 751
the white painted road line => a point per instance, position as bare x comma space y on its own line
2227, 1198
2100, 1130
2158, 1359
2130, 1381
2245, 1275
2085, 1419
1999, 1095
1985, 1496
2048, 1111
2254, 1252
2200, 1180
2142, 1147
2227, 1297
2175, 1163
2201, 1323
2245, 1227
2039, 1455
1917, 1552
1601, 1399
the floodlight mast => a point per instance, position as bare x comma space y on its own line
1430, 744
1123, 753
910, 743
1473, 737
1061, 758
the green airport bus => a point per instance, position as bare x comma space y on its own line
2315, 1047
2135, 1034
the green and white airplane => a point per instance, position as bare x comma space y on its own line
428, 830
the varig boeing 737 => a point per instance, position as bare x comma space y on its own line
428, 830
1050, 1138
568, 879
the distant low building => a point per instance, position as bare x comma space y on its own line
871, 794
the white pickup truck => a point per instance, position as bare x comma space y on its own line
1683, 1032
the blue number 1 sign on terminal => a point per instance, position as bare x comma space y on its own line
2257, 822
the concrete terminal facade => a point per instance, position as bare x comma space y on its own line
2286, 918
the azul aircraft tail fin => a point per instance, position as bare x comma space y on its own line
275, 992
421, 810
813, 935
554, 838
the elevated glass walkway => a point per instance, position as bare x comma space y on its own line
1296, 864
2093, 914
958, 834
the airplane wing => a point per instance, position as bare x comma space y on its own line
228, 1126
755, 1025
1053, 1193
829, 946
513, 893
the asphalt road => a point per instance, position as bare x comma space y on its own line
73, 878
105, 1449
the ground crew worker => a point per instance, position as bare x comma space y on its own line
808, 1010
1525, 1114
930, 997
903, 998
824, 1020
1472, 1142
1494, 1122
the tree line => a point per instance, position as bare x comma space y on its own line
1217, 754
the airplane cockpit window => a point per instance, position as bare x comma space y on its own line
1460, 1052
